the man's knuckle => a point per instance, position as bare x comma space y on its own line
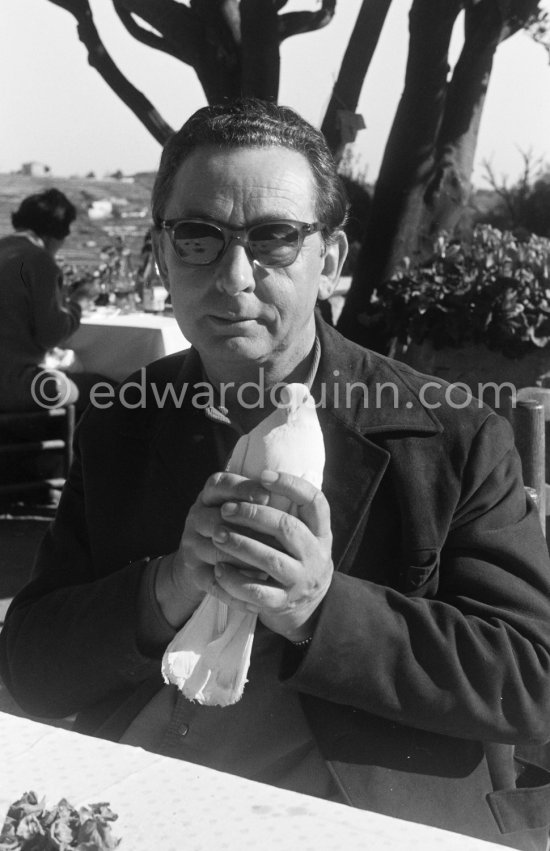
249, 510
287, 523
318, 500
238, 542
257, 594
274, 563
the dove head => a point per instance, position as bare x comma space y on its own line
295, 396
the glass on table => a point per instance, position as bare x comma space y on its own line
125, 300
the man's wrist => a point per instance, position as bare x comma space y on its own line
303, 636
154, 631
176, 606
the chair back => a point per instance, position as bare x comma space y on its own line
530, 419
27, 437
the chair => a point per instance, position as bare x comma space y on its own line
530, 419
35, 435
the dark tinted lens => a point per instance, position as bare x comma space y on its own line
274, 244
198, 243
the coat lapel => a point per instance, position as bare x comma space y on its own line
174, 445
359, 393
183, 445
353, 470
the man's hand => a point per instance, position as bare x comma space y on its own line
293, 554
185, 576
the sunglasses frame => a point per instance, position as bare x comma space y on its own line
241, 235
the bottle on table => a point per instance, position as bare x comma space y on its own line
124, 288
153, 291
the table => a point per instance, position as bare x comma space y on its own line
169, 805
116, 345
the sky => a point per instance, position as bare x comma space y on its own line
57, 110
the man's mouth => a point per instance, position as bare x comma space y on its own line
233, 319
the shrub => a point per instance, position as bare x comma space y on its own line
493, 289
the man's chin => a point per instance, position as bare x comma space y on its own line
236, 348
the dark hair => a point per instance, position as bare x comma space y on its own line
254, 123
48, 213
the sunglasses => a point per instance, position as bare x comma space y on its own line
273, 244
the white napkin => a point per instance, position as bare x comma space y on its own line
209, 657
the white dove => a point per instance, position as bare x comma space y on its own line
209, 657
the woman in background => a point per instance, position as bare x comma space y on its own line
34, 315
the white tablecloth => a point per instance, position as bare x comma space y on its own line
116, 345
173, 805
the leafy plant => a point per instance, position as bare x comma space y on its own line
30, 826
492, 289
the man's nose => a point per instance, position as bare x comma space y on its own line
234, 272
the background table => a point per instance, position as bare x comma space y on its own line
170, 805
116, 345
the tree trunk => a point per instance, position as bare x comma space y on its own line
218, 61
424, 180
354, 67
487, 24
408, 159
261, 60
449, 189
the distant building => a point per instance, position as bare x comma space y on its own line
100, 209
119, 175
34, 169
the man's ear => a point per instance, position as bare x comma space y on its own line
157, 242
335, 253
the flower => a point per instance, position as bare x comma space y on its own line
492, 289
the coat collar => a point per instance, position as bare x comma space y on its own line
369, 392
364, 391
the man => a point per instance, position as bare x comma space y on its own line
403, 641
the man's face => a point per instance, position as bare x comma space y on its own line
238, 314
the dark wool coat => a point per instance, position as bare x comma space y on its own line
431, 655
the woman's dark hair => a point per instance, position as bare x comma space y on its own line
254, 123
48, 213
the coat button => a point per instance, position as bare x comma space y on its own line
183, 729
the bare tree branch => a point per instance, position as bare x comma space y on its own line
99, 59
295, 23
515, 198
204, 34
146, 37
180, 28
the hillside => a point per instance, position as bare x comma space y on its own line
130, 217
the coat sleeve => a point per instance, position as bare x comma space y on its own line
469, 658
52, 320
89, 621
